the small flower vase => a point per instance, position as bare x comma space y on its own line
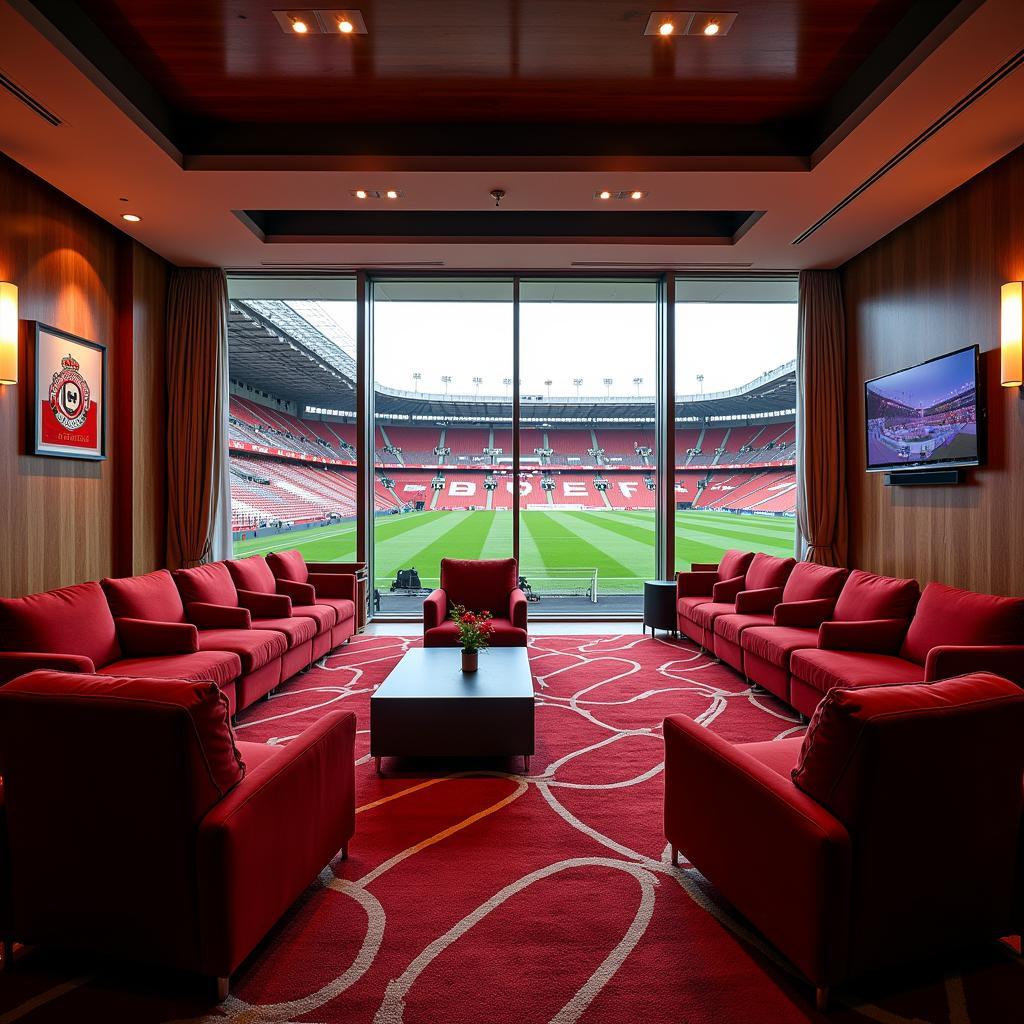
469, 660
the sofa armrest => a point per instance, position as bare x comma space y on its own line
17, 663
804, 614
141, 638
266, 606
334, 584
300, 594
696, 584
435, 609
1005, 660
874, 636
517, 608
269, 838
752, 602
801, 849
727, 590
218, 616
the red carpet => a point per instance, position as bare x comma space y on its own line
489, 897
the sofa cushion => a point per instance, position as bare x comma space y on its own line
775, 644
480, 584
705, 614
296, 630
504, 635
220, 667
72, 620
781, 756
826, 669
322, 614
210, 583
854, 733
767, 571
947, 616
214, 767
153, 597
685, 605
809, 581
867, 596
729, 627
343, 608
288, 565
252, 573
734, 563
254, 647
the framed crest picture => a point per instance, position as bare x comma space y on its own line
69, 396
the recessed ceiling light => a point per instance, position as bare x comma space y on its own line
621, 194
636, 195
711, 23
300, 26
345, 26
392, 194
604, 195
711, 28
133, 217
666, 28
360, 193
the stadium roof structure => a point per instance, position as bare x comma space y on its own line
291, 356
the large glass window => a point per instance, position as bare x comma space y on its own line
442, 357
735, 417
291, 437
588, 380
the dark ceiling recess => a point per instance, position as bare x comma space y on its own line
691, 227
465, 78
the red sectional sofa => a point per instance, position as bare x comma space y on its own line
315, 585
194, 624
478, 584
810, 589
187, 845
755, 587
830, 845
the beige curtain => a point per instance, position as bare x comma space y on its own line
821, 417
197, 387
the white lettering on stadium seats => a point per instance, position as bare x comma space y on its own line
574, 488
628, 487
525, 487
462, 488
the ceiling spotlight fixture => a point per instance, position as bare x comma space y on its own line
321, 22
604, 195
392, 194
636, 195
688, 23
300, 26
345, 26
376, 193
712, 28
497, 194
620, 194
133, 217
666, 28
360, 193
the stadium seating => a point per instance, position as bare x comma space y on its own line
843, 826
478, 585
188, 846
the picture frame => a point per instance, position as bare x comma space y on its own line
68, 393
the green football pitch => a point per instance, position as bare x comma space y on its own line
553, 545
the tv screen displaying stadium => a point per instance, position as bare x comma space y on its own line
926, 415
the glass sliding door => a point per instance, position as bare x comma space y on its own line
588, 366
442, 399
291, 436
735, 360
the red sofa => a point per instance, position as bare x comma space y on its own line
888, 834
186, 868
952, 631
479, 585
72, 629
753, 588
768, 650
319, 584
809, 588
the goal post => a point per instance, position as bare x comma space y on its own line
565, 582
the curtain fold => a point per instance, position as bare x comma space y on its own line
821, 417
197, 390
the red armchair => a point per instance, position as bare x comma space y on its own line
846, 824
152, 604
753, 589
73, 630
319, 583
768, 650
952, 631
253, 575
187, 868
212, 601
480, 585
808, 584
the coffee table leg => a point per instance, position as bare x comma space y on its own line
379, 772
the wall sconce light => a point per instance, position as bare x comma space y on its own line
8, 333
1011, 335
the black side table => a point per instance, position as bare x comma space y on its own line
660, 606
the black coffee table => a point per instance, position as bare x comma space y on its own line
429, 707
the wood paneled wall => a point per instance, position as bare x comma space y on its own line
65, 521
932, 286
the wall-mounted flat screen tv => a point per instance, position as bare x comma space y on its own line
927, 415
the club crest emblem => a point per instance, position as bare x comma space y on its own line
69, 395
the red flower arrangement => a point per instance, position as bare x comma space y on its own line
474, 628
